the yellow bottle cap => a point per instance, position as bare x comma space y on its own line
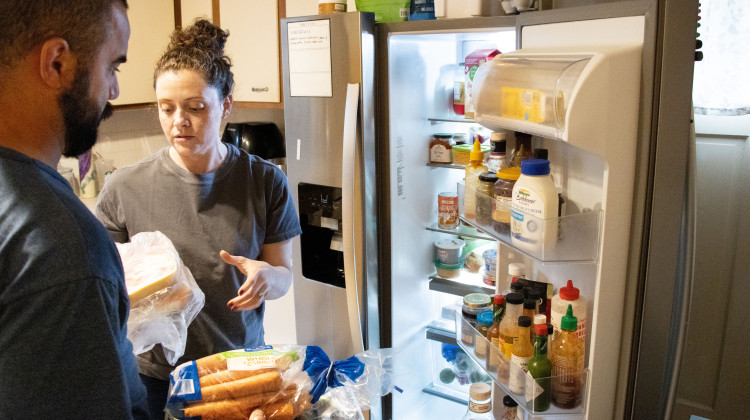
477, 153
509, 173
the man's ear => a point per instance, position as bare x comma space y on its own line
57, 65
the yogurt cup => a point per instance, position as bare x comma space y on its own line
448, 251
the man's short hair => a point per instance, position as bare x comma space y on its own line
26, 24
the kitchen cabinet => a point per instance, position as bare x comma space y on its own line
151, 23
253, 46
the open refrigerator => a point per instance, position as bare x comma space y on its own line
615, 124
592, 71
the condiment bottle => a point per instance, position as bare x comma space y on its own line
508, 333
516, 287
522, 150
569, 295
471, 179
529, 310
485, 198
484, 322
493, 333
480, 402
440, 148
567, 359
510, 408
538, 387
506, 179
331, 6
521, 353
515, 271
534, 202
497, 152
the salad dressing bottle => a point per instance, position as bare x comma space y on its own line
473, 170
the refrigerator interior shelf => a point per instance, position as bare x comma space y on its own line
455, 120
440, 335
461, 285
496, 362
463, 229
447, 165
447, 394
572, 238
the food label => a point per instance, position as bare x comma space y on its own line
440, 154
476, 407
458, 93
526, 203
533, 388
518, 371
502, 209
447, 211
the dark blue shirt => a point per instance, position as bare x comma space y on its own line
64, 352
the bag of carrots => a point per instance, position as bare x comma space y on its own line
278, 383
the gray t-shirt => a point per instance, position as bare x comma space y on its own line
241, 206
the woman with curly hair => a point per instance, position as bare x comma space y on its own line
229, 214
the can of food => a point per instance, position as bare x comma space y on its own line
447, 210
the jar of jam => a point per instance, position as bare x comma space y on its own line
474, 304
485, 200
506, 179
440, 148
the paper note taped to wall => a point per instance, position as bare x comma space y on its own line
310, 58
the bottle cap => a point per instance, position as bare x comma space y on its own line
517, 269
514, 298
529, 304
541, 153
540, 329
550, 329
509, 174
488, 177
517, 287
480, 391
569, 292
498, 135
499, 299
485, 318
524, 321
540, 319
569, 322
508, 401
476, 153
476, 300
535, 167
535, 294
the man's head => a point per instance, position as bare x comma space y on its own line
77, 46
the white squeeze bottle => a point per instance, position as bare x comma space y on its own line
534, 200
569, 295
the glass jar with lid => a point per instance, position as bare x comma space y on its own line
440, 148
506, 179
474, 304
485, 198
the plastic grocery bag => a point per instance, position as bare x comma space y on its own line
164, 297
278, 382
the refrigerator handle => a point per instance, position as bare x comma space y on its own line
352, 258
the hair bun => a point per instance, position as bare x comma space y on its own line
202, 35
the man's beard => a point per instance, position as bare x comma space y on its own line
81, 116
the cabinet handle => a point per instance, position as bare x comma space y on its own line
263, 89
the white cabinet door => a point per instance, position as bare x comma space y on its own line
253, 46
151, 24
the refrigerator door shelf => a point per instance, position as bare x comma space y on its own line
496, 356
577, 235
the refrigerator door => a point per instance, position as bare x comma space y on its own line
329, 122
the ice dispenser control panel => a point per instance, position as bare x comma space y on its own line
321, 240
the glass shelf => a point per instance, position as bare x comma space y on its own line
447, 165
449, 119
574, 238
496, 365
460, 286
464, 229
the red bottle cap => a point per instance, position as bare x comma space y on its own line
499, 299
569, 292
540, 329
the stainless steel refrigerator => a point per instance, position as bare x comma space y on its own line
358, 123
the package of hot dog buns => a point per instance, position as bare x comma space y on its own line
277, 383
164, 297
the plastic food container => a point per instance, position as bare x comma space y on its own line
448, 251
448, 271
461, 153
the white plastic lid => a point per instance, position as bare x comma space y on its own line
480, 391
517, 269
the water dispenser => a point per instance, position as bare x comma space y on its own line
321, 240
